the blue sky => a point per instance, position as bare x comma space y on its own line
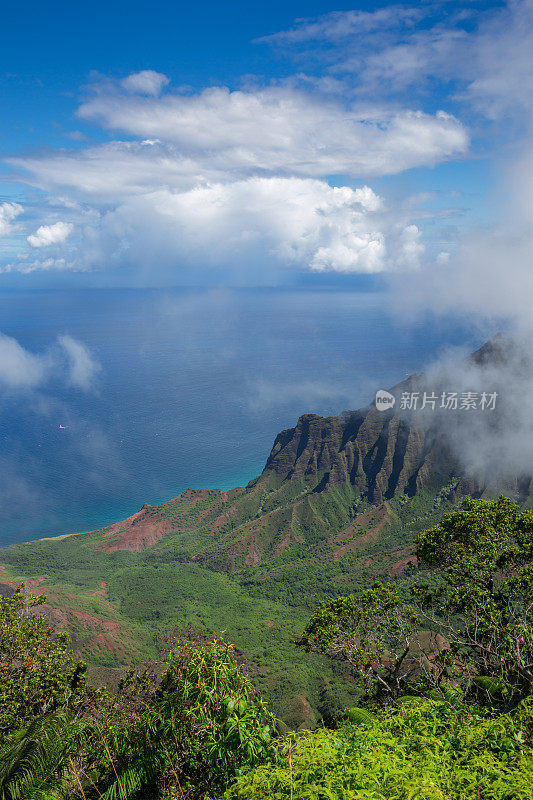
256, 143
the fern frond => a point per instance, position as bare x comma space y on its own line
32, 760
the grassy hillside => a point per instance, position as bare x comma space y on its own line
119, 605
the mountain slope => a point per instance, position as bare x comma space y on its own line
338, 504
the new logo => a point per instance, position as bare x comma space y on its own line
384, 400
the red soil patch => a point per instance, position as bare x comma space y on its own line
239, 541
307, 711
224, 518
379, 516
90, 621
139, 531
30, 583
101, 642
57, 617
280, 547
399, 566
254, 556
100, 592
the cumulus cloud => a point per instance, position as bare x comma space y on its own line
8, 212
145, 82
218, 135
46, 235
217, 178
481, 59
69, 360
255, 224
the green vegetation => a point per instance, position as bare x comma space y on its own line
38, 673
477, 609
484, 601
184, 733
373, 632
260, 607
33, 760
440, 666
424, 749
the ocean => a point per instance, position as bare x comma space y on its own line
193, 387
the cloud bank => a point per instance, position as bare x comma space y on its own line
277, 222
271, 176
280, 130
240, 181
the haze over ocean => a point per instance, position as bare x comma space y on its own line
190, 388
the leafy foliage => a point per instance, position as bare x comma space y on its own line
189, 733
38, 673
373, 632
484, 602
195, 729
424, 750
34, 760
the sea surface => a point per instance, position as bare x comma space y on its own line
193, 386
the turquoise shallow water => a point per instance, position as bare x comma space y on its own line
194, 386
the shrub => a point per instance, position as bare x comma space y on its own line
38, 672
203, 725
424, 750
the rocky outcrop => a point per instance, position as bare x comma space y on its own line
379, 453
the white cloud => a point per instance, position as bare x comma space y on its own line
479, 57
252, 228
255, 225
338, 26
83, 367
145, 82
485, 52
219, 135
489, 274
411, 248
8, 212
243, 167
69, 361
26, 266
280, 130
218, 178
50, 234
18, 367
114, 171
